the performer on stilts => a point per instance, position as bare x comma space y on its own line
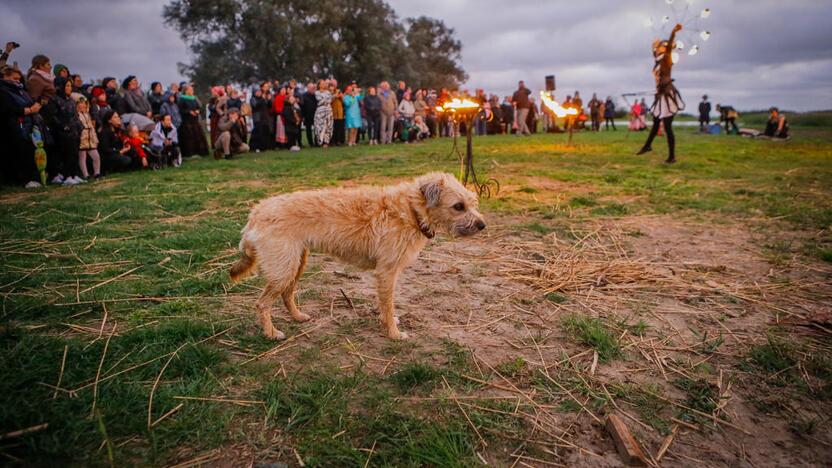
668, 101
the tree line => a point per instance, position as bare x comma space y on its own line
250, 40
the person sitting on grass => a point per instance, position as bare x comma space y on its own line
165, 142
232, 137
115, 155
777, 125
134, 142
421, 128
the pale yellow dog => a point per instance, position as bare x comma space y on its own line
374, 228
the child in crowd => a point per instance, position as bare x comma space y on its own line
291, 122
89, 141
169, 107
165, 142
421, 128
134, 141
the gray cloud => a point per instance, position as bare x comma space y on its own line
762, 53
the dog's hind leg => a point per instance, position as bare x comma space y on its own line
264, 310
289, 294
386, 285
279, 262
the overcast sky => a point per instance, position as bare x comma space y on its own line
762, 52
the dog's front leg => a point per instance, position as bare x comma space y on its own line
386, 286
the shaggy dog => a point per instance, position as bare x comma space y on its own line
374, 228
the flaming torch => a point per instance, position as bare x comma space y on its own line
570, 113
466, 110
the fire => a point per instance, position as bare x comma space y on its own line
457, 104
559, 110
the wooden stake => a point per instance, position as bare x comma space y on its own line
627, 446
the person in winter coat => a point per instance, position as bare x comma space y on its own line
406, 108
261, 104
62, 117
232, 135
521, 103
114, 99
308, 107
609, 114
192, 139
98, 105
165, 141
88, 141
595, 112
338, 117
156, 98
291, 121
135, 98
507, 109
40, 82
216, 109
279, 102
61, 70
115, 155
389, 106
352, 111
372, 109
169, 107
704, 113
134, 141
19, 113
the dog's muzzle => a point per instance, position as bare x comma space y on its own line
469, 229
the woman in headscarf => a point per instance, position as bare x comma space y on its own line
668, 101
192, 139
323, 113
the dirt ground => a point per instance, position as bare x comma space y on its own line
689, 282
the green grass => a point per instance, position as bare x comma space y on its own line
701, 396
150, 250
594, 333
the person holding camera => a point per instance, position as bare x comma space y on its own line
19, 113
4, 56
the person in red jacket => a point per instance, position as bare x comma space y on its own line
134, 141
280, 126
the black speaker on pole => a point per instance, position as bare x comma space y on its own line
550, 83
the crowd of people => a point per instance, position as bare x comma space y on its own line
88, 130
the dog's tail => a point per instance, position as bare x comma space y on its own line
247, 261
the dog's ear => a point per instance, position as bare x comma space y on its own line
432, 191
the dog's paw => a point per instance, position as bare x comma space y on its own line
301, 317
274, 334
384, 321
398, 335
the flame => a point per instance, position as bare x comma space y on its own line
559, 110
457, 104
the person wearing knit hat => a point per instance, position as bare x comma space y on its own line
65, 125
60, 70
99, 105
